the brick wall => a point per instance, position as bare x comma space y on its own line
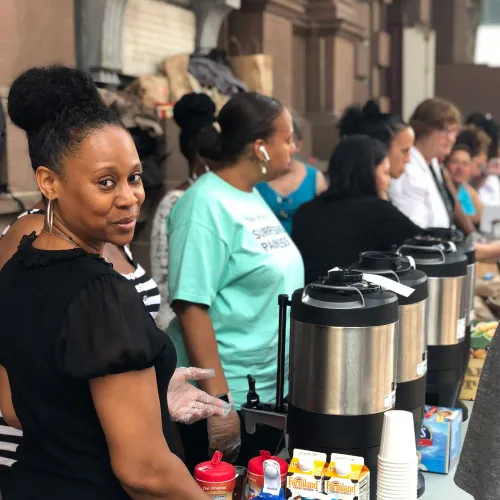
153, 30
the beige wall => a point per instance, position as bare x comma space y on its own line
32, 33
419, 63
152, 30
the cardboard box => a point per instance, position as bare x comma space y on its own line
481, 337
471, 381
346, 478
306, 482
440, 439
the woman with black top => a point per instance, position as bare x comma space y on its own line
352, 216
83, 367
186, 404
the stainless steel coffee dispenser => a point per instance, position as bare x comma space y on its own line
435, 236
446, 270
343, 365
411, 333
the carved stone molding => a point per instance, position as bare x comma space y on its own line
210, 15
293, 10
336, 17
326, 17
98, 29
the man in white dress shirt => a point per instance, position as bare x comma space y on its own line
422, 193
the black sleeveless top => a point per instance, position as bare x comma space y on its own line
68, 317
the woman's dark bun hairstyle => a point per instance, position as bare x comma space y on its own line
245, 118
369, 120
57, 107
193, 114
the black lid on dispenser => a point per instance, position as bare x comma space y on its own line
437, 260
344, 299
436, 235
397, 268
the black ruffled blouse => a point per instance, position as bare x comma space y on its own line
68, 317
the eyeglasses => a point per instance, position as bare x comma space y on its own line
450, 131
458, 163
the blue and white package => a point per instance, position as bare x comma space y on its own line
440, 439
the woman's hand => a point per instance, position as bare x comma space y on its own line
224, 435
487, 251
186, 403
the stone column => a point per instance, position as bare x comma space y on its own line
453, 23
334, 50
268, 26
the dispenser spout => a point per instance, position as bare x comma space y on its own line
256, 413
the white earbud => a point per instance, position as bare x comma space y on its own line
263, 150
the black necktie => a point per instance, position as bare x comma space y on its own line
444, 193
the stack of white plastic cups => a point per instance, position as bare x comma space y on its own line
397, 462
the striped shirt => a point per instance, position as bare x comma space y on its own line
146, 288
145, 285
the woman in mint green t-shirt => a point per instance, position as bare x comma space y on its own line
229, 259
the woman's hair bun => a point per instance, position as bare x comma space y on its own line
40, 95
352, 121
194, 110
371, 110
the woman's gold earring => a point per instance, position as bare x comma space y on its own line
49, 216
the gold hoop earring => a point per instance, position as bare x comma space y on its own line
49, 216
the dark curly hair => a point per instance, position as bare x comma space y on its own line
475, 138
57, 107
194, 114
369, 120
490, 126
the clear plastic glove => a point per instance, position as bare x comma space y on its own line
186, 403
224, 435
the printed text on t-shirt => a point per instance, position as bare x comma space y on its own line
269, 237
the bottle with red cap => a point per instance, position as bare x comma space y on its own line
256, 474
216, 478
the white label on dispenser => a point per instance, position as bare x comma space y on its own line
422, 368
389, 284
461, 329
472, 316
390, 399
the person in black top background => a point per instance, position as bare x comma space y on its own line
353, 215
84, 370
